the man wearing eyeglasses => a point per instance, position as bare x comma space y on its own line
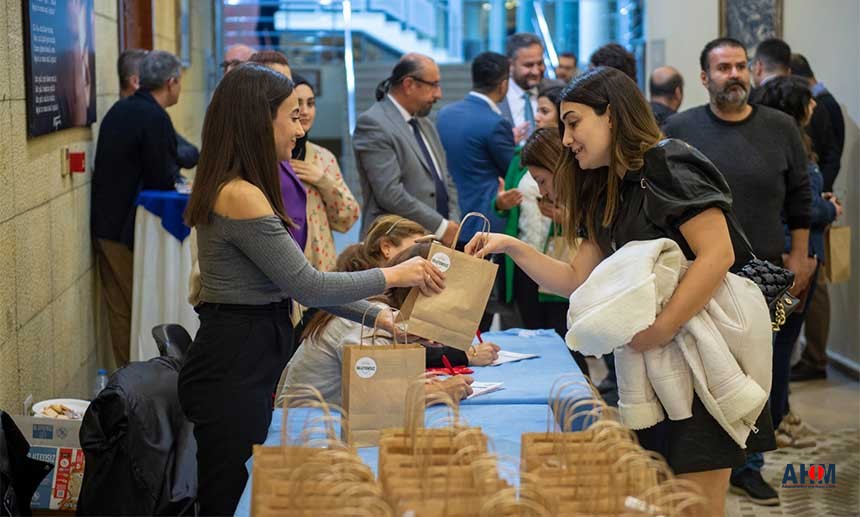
401, 161
235, 56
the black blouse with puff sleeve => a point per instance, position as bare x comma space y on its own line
675, 184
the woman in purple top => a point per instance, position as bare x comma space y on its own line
295, 201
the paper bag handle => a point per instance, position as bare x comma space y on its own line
394, 312
485, 227
295, 393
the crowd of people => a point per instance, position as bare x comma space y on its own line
567, 171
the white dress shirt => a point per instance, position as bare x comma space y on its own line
440, 231
518, 104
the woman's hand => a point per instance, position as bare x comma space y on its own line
653, 337
507, 199
483, 244
830, 196
457, 387
415, 272
483, 354
549, 209
308, 172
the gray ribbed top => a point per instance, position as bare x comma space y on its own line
256, 262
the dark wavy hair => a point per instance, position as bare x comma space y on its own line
790, 95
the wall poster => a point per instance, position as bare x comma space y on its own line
59, 55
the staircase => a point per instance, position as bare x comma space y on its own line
376, 26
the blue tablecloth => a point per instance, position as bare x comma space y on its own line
169, 205
503, 425
529, 381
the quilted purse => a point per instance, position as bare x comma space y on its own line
774, 281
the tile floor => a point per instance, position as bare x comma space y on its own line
832, 406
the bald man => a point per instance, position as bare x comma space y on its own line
667, 92
401, 161
236, 55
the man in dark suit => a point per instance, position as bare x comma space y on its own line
401, 162
136, 150
478, 141
827, 126
525, 52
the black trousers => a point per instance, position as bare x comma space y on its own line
542, 315
226, 387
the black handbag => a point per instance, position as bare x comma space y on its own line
774, 281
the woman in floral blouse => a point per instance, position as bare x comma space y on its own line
331, 206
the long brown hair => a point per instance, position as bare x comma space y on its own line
239, 140
392, 228
354, 258
633, 132
543, 149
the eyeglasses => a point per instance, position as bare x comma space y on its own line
431, 84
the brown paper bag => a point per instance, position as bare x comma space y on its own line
452, 316
837, 251
374, 383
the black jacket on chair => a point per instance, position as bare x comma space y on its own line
139, 447
19, 475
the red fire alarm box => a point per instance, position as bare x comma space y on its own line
78, 162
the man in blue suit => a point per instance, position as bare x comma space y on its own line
479, 142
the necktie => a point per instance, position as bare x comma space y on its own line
441, 190
528, 111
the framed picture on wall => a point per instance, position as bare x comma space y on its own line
183, 32
751, 21
60, 65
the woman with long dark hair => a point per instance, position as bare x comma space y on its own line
618, 183
251, 271
792, 96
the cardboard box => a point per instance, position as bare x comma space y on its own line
56, 442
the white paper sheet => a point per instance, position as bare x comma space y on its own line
510, 357
482, 388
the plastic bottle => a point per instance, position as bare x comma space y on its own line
101, 382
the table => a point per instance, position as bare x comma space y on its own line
162, 267
523, 406
529, 381
503, 425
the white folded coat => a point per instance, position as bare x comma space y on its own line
724, 352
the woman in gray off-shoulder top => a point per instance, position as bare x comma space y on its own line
251, 270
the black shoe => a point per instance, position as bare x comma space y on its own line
803, 372
749, 483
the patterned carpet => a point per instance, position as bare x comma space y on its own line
841, 448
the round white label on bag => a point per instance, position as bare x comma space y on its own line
365, 367
441, 261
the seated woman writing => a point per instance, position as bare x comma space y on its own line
319, 359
